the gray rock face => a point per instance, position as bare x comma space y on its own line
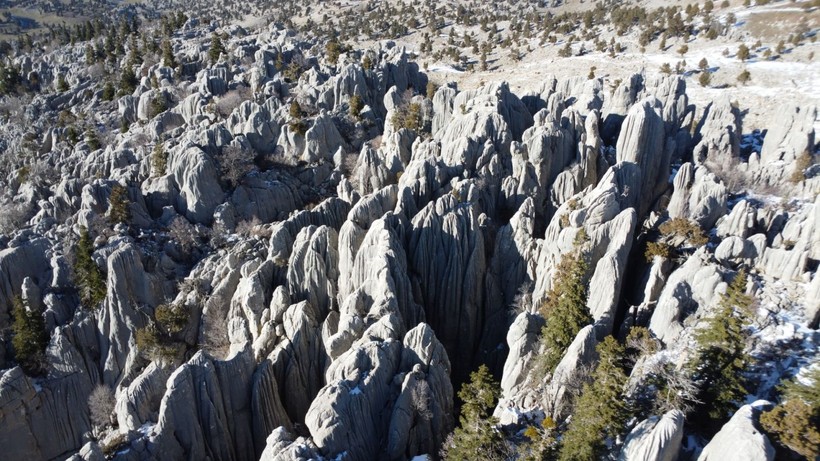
699, 196
45, 421
139, 402
17, 263
224, 430
196, 178
740, 222
642, 141
322, 140
558, 392
313, 268
655, 439
719, 133
522, 340
380, 374
446, 255
131, 293
739, 439
694, 284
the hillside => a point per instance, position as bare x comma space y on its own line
384, 230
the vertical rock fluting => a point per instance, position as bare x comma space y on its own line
447, 263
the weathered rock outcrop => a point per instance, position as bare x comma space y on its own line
739, 439
655, 439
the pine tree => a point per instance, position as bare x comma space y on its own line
168, 59
477, 437
565, 308
217, 48
159, 160
128, 81
62, 84
600, 411
118, 205
356, 106
295, 110
88, 277
721, 360
30, 337
108, 91
795, 421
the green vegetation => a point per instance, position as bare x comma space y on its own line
92, 139
657, 249
477, 438
128, 81
705, 78
601, 410
216, 49
564, 310
720, 361
118, 205
794, 422
159, 160
356, 106
30, 338
801, 164
87, 276
108, 92
682, 228
62, 84
744, 77
743, 52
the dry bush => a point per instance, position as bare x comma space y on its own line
253, 228
184, 233
101, 405
13, 216
234, 164
421, 400
228, 102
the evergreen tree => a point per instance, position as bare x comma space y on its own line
159, 160
128, 81
108, 91
88, 277
795, 422
721, 360
30, 337
217, 48
168, 59
92, 139
118, 209
62, 84
477, 437
565, 308
356, 106
600, 411
295, 110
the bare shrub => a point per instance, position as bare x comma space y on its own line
101, 405
523, 299
228, 102
213, 337
184, 233
234, 164
13, 216
421, 400
253, 228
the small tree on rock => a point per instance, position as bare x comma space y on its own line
477, 437
721, 359
87, 275
118, 205
30, 337
565, 308
601, 410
